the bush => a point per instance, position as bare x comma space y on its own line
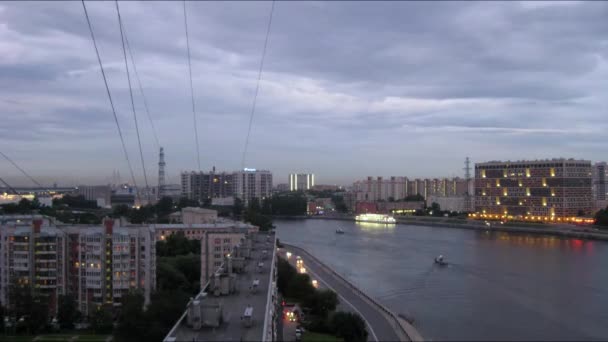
349, 326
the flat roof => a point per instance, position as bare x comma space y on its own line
235, 305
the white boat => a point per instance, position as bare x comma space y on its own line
339, 231
375, 218
439, 261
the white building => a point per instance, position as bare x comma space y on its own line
301, 181
252, 183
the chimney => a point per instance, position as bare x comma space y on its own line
36, 223
109, 224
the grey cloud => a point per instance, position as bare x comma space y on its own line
343, 82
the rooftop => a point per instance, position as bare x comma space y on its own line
235, 307
553, 160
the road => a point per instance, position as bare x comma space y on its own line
379, 326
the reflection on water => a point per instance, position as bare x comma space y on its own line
497, 285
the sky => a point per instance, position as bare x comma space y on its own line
348, 89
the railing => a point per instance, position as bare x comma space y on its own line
398, 324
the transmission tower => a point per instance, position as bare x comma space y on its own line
161, 174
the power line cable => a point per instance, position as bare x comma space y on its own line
198, 153
105, 80
23, 171
257, 87
141, 89
9, 186
124, 52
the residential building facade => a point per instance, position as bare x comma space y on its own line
202, 186
252, 183
543, 189
97, 264
396, 188
600, 174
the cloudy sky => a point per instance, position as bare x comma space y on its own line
348, 89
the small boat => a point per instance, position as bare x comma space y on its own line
339, 231
439, 261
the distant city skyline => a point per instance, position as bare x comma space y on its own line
410, 90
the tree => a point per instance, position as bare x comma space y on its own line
67, 311
1, 318
24, 206
300, 287
601, 218
164, 207
101, 322
186, 202
132, 323
29, 306
237, 208
285, 273
164, 310
121, 211
322, 302
350, 326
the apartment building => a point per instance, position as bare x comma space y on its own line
544, 189
98, 264
381, 189
301, 181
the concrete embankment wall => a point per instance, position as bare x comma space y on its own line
402, 327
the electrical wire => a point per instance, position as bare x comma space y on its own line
9, 186
124, 52
257, 87
141, 89
105, 80
23, 171
198, 153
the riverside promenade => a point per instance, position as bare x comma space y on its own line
383, 325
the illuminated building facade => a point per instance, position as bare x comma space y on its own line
97, 264
202, 186
301, 181
544, 190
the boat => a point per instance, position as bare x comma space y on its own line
339, 231
375, 218
439, 261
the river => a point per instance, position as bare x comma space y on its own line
498, 286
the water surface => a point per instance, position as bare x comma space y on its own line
498, 285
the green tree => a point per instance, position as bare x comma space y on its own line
285, 273
350, 326
237, 208
132, 323
164, 310
601, 218
164, 207
300, 287
67, 311
321, 302
1, 318
102, 322
122, 210
24, 206
186, 202
29, 306
169, 278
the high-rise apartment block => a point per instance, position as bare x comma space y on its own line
301, 181
381, 189
246, 184
252, 183
545, 189
97, 264
600, 175
202, 186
